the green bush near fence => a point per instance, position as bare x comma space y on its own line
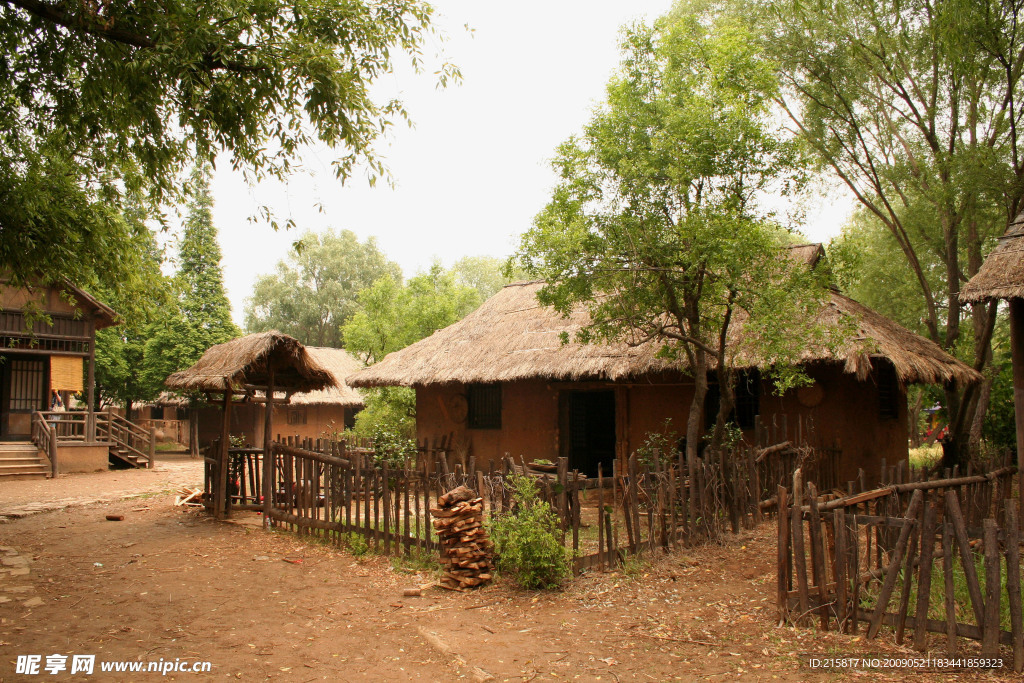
527, 540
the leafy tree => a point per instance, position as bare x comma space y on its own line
392, 316
313, 292
485, 274
100, 100
200, 314
913, 105
654, 226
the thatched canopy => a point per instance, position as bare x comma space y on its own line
247, 361
1001, 276
340, 364
512, 337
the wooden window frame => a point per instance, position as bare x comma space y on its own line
484, 406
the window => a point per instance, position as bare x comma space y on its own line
484, 406
296, 416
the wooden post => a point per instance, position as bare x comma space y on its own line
152, 446
783, 556
220, 494
990, 626
1013, 584
90, 395
268, 448
1017, 356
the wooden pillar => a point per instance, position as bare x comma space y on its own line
220, 497
268, 456
1017, 355
90, 416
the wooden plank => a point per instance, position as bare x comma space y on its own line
782, 556
799, 560
818, 568
839, 561
947, 572
924, 577
892, 573
954, 515
908, 573
990, 626
1012, 534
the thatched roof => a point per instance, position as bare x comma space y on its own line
512, 337
247, 361
340, 363
1001, 276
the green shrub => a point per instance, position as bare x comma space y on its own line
527, 541
356, 544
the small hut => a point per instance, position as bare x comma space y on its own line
1001, 276
237, 371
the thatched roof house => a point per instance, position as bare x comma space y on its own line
1001, 276
245, 362
503, 382
340, 364
512, 337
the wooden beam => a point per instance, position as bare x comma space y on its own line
221, 493
1017, 356
268, 455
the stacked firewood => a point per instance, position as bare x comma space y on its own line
466, 552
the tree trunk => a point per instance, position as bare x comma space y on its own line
914, 419
979, 413
694, 426
726, 402
193, 431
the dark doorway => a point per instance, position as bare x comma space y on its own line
591, 431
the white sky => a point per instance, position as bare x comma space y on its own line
474, 171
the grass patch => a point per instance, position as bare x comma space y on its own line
937, 592
925, 456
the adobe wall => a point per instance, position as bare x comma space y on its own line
529, 421
845, 413
247, 419
77, 457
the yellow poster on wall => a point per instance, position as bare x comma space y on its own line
66, 373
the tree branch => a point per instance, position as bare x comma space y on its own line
107, 30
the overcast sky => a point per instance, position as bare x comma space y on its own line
472, 173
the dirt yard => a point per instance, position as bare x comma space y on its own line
170, 584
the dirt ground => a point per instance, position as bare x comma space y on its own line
168, 583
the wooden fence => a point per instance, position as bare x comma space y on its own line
932, 556
332, 489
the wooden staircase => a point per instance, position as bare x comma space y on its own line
22, 460
130, 444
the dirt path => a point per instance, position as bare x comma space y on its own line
172, 584
20, 498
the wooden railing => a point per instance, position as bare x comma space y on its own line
127, 435
44, 436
